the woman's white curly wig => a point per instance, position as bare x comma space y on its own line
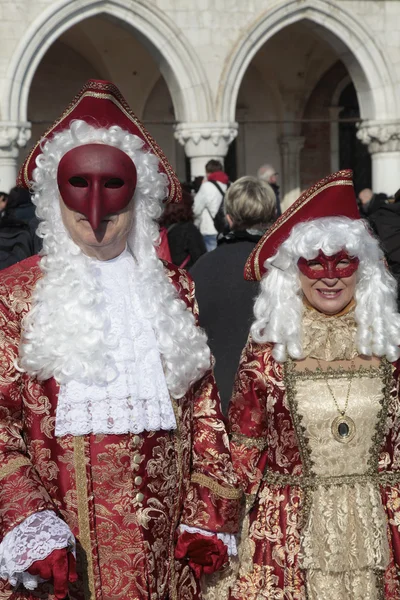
66, 333
279, 307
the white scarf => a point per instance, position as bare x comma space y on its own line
137, 397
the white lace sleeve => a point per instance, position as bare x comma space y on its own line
228, 538
33, 539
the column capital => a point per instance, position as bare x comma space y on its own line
206, 139
291, 144
380, 136
13, 136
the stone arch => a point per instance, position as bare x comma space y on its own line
342, 85
178, 62
353, 42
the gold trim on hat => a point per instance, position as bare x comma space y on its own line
293, 209
109, 92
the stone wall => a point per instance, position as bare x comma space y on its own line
208, 71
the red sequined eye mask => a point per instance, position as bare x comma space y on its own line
329, 267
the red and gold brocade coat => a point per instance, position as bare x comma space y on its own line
274, 456
122, 496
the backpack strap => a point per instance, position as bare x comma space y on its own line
221, 191
219, 188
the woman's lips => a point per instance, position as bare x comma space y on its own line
329, 293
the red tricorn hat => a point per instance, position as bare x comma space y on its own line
333, 196
101, 104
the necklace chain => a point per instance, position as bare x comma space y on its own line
341, 411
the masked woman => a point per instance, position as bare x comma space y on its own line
315, 415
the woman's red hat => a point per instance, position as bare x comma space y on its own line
101, 104
333, 196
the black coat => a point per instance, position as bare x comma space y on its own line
226, 304
276, 189
385, 222
16, 242
185, 240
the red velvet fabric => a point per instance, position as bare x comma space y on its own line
60, 567
206, 554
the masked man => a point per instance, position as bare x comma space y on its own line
112, 444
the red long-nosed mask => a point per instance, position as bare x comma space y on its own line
329, 267
96, 180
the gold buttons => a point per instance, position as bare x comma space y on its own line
140, 497
138, 480
137, 459
136, 440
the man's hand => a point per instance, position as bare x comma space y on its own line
206, 554
60, 566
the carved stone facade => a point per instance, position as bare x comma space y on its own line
205, 79
380, 136
383, 140
13, 137
203, 141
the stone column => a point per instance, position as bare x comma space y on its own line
204, 141
290, 150
383, 140
13, 136
334, 112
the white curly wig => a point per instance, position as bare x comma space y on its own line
66, 333
279, 307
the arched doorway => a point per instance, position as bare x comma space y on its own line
175, 57
93, 49
329, 129
284, 56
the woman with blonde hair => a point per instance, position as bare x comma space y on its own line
225, 299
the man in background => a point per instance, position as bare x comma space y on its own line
208, 201
268, 174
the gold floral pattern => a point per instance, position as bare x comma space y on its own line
272, 454
122, 496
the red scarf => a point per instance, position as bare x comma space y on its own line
218, 176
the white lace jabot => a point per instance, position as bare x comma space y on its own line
137, 398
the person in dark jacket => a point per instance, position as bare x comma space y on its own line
225, 299
3, 204
186, 244
16, 237
385, 222
369, 202
22, 206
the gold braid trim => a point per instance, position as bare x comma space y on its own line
177, 437
13, 465
83, 514
216, 488
312, 481
249, 442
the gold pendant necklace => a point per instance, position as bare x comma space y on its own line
343, 427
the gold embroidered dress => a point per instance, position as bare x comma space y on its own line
122, 496
324, 511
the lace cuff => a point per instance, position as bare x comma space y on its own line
33, 539
228, 538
